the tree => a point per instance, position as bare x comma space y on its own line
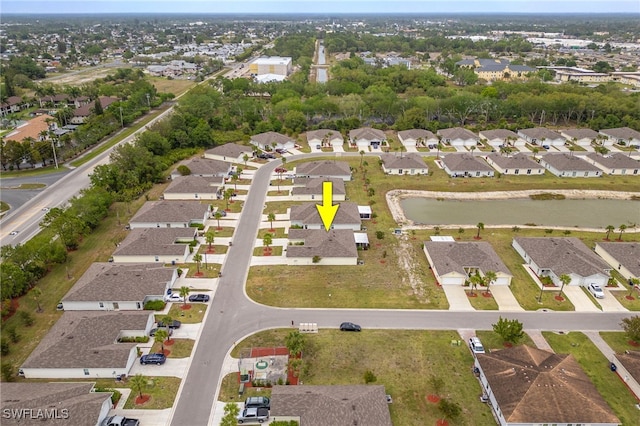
209, 237
488, 278
245, 158
460, 232
218, 215
97, 107
184, 293
535, 152
160, 337
231, 411
609, 228
183, 170
234, 178
139, 383
36, 293
369, 377
480, 226
227, 194
436, 384
475, 280
564, 279
267, 240
450, 410
361, 158
271, 217
631, 327
197, 258
167, 320
621, 228
509, 330
295, 342
633, 283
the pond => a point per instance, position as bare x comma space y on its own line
595, 213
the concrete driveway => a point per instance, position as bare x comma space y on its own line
174, 367
609, 303
505, 299
146, 417
187, 331
458, 300
579, 299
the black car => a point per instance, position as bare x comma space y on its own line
199, 298
173, 324
153, 331
153, 359
349, 326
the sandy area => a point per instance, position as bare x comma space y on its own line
395, 196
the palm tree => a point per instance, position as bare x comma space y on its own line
472, 148
460, 232
564, 279
197, 258
535, 151
439, 146
480, 226
227, 194
167, 320
209, 237
621, 228
138, 382
245, 158
267, 240
633, 282
218, 215
36, 293
184, 293
489, 277
475, 280
609, 228
234, 178
160, 337
361, 158
284, 161
271, 217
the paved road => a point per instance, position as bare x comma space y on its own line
17, 197
233, 316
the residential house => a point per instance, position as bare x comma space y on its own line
204, 167
553, 257
36, 129
73, 403
417, 137
232, 152
325, 138
366, 137
113, 287
499, 137
621, 256
324, 169
622, 136
614, 164
403, 164
85, 345
269, 141
194, 188
309, 189
581, 137
333, 405
518, 164
458, 137
465, 165
80, 115
542, 136
170, 214
569, 165
319, 247
527, 386
628, 367
12, 105
149, 245
306, 216
453, 263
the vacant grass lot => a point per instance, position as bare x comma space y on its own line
610, 386
175, 86
332, 357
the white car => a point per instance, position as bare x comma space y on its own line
13, 232
596, 291
476, 346
173, 297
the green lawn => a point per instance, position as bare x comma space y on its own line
180, 348
610, 386
618, 341
480, 301
275, 251
492, 341
193, 315
403, 367
217, 249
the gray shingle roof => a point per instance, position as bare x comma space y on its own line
403, 161
318, 242
86, 339
230, 150
501, 134
615, 161
194, 185
367, 133
313, 186
621, 133
324, 134
416, 134
465, 163
456, 256
580, 133
170, 211
337, 405
308, 214
517, 161
568, 163
326, 168
268, 138
83, 405
457, 133
627, 254
205, 167
533, 386
563, 255
155, 241
540, 132
120, 282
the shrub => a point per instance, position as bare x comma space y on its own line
8, 374
154, 305
369, 377
4, 347
27, 318
13, 334
380, 235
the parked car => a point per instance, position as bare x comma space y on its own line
157, 359
281, 151
349, 326
596, 291
476, 346
199, 298
257, 402
60, 307
172, 324
253, 415
546, 146
153, 331
119, 421
222, 212
173, 297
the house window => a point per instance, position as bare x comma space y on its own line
528, 171
138, 305
477, 173
516, 172
86, 371
586, 174
195, 195
101, 304
399, 171
573, 174
157, 258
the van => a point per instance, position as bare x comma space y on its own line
257, 402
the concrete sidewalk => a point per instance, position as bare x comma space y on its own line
603, 346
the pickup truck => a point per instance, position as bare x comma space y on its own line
254, 415
120, 421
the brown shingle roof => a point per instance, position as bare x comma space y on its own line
318, 242
627, 254
83, 406
87, 109
540, 132
581, 133
155, 241
456, 256
308, 214
337, 405
533, 386
120, 282
167, 211
324, 134
568, 163
85, 339
621, 133
313, 186
404, 161
326, 168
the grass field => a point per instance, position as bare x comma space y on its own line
610, 386
332, 357
175, 86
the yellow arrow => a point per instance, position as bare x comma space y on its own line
327, 210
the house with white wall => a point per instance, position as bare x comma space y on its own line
553, 257
205, 167
403, 164
414, 138
323, 169
85, 345
366, 137
615, 164
581, 137
517, 164
310, 189
336, 247
119, 287
568, 165
499, 137
621, 135
170, 214
453, 262
306, 216
458, 137
466, 165
542, 136
325, 138
155, 245
624, 257
194, 188
231, 152
270, 141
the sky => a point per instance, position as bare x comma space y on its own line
317, 6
